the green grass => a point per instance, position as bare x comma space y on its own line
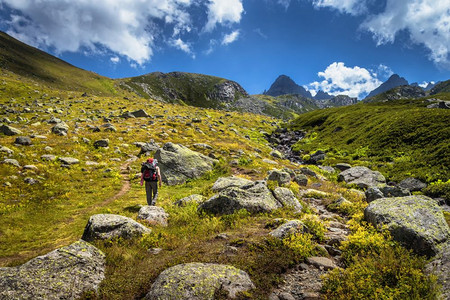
400, 139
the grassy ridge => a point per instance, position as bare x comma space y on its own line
400, 138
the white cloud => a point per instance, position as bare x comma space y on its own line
426, 21
223, 12
230, 38
341, 80
353, 7
260, 33
183, 46
284, 3
73, 25
115, 59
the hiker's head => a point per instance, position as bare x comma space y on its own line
150, 160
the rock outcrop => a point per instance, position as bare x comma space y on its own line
108, 226
65, 273
154, 215
415, 221
288, 228
199, 281
287, 198
254, 197
227, 182
178, 163
362, 177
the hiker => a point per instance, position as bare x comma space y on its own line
151, 175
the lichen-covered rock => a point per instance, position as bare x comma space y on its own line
287, 198
103, 143
362, 177
279, 176
154, 215
65, 273
415, 221
199, 281
109, 226
227, 182
440, 266
10, 161
195, 198
288, 228
178, 163
412, 184
23, 140
69, 160
373, 193
254, 197
301, 179
60, 129
8, 130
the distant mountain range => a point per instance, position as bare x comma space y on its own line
392, 82
284, 85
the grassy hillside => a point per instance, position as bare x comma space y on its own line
442, 87
41, 68
400, 138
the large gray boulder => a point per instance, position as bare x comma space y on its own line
412, 184
288, 228
279, 176
199, 281
287, 198
254, 197
65, 273
8, 130
154, 215
227, 182
178, 163
362, 177
60, 129
195, 198
416, 221
109, 226
373, 193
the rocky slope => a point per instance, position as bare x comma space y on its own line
284, 85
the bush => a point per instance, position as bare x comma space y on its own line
438, 189
301, 244
395, 273
315, 226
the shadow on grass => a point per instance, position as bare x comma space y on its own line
133, 208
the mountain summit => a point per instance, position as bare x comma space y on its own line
392, 82
284, 85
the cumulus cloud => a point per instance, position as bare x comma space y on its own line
341, 80
223, 12
183, 46
426, 21
131, 31
230, 38
115, 59
353, 7
284, 3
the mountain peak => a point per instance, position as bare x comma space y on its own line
394, 81
284, 85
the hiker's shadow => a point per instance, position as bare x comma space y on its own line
133, 208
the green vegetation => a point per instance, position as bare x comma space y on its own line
400, 138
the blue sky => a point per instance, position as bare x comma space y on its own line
340, 46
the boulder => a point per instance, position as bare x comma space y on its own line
279, 176
140, 114
254, 197
440, 266
10, 161
343, 166
103, 143
69, 160
288, 228
287, 198
227, 182
154, 215
195, 198
412, 184
6, 150
317, 156
416, 221
60, 129
146, 148
178, 163
373, 193
64, 273
362, 177
308, 172
199, 281
108, 226
321, 262
23, 140
301, 179
48, 157
8, 130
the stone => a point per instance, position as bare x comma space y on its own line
202, 146
316, 157
178, 163
199, 281
140, 114
30, 181
69, 160
440, 266
327, 169
415, 221
342, 166
301, 179
153, 215
48, 157
10, 161
279, 176
109, 127
6, 150
60, 129
269, 161
287, 198
373, 193
8, 130
227, 182
412, 184
276, 154
195, 198
109, 226
23, 140
288, 228
64, 273
254, 197
321, 262
103, 143
308, 172
147, 148
362, 177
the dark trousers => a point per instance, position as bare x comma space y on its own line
151, 189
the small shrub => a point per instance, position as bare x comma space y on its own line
315, 226
438, 189
301, 244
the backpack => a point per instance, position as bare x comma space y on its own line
149, 171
